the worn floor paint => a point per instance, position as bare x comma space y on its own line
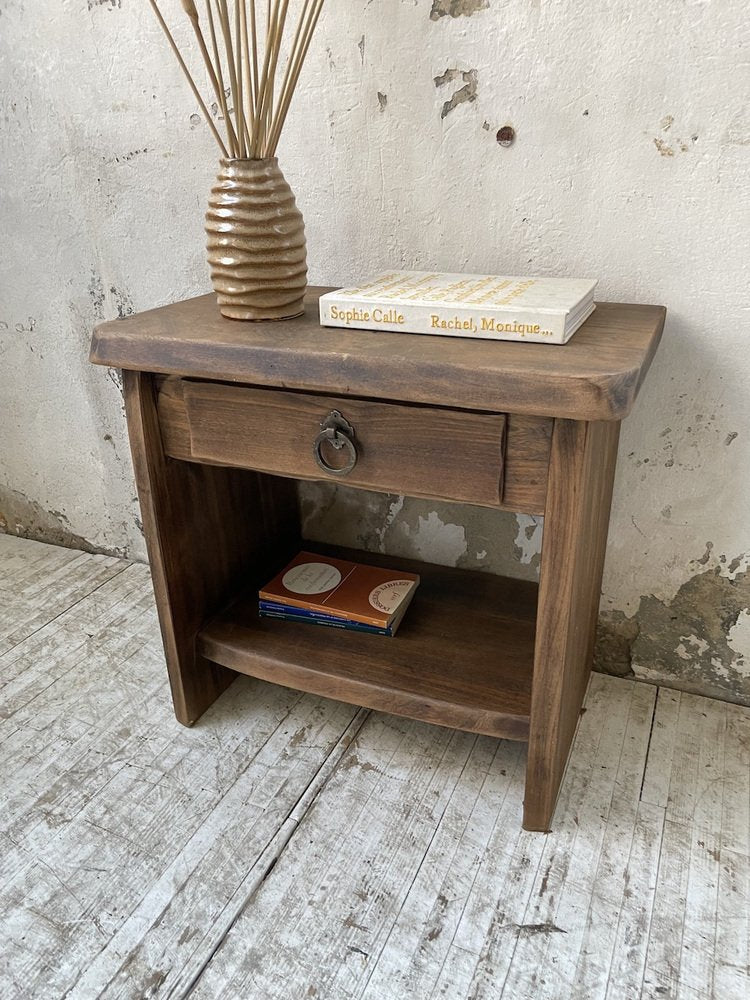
289, 847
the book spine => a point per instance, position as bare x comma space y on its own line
347, 626
484, 323
290, 609
376, 620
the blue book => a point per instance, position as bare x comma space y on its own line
290, 609
328, 621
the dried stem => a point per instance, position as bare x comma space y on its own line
254, 33
192, 13
247, 78
186, 71
268, 94
231, 137
296, 62
259, 108
258, 138
239, 103
221, 6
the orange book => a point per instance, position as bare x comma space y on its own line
347, 590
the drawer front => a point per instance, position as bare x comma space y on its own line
416, 450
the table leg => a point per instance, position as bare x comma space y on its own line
579, 494
208, 529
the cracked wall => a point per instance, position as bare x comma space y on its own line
630, 164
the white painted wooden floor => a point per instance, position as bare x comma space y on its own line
292, 847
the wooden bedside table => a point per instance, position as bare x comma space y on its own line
223, 417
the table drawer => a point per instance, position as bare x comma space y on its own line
417, 450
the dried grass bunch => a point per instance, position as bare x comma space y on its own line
250, 67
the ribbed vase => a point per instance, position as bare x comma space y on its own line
256, 242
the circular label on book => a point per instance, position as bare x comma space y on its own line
311, 578
388, 596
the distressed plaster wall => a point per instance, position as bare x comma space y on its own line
630, 164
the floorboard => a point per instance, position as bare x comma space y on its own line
290, 847
38, 582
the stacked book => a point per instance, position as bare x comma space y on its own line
336, 593
485, 306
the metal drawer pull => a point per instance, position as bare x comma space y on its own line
339, 433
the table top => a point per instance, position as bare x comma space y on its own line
595, 376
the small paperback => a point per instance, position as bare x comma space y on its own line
337, 593
489, 307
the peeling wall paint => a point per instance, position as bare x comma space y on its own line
462, 95
456, 8
27, 519
445, 533
630, 163
699, 640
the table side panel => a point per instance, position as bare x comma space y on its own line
581, 477
202, 544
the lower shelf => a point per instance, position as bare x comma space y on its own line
463, 656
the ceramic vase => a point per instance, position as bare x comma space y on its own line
256, 242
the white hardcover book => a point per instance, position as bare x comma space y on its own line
489, 307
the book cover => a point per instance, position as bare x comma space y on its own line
487, 307
342, 589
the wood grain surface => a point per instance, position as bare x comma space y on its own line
527, 448
524, 471
579, 493
525, 427
596, 376
415, 450
208, 529
462, 656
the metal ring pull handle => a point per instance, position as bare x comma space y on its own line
336, 431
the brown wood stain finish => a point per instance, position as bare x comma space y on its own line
219, 443
579, 494
208, 530
417, 450
523, 473
595, 376
428, 670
